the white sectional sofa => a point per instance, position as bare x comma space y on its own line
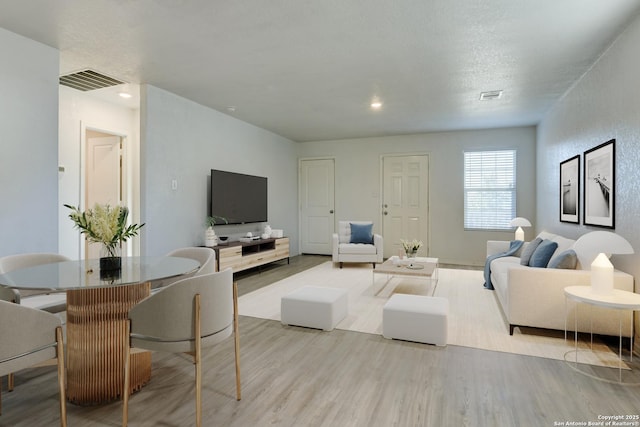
534, 297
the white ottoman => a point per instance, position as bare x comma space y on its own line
416, 318
314, 307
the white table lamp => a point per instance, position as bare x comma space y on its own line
520, 222
602, 243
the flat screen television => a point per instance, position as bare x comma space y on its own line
237, 197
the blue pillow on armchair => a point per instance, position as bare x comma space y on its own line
361, 233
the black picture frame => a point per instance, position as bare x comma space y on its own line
600, 185
570, 190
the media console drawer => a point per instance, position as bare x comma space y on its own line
244, 255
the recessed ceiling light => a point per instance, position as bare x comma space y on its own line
125, 95
376, 105
491, 94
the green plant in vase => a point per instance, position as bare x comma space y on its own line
106, 225
210, 238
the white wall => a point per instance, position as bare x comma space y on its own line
79, 111
604, 104
182, 140
358, 193
28, 164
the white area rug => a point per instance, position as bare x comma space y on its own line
475, 317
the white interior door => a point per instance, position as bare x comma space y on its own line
103, 184
405, 213
317, 223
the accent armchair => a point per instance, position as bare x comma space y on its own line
356, 242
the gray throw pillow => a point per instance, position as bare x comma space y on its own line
566, 260
543, 253
528, 251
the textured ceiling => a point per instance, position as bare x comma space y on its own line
308, 70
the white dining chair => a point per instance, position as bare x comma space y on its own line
30, 337
205, 256
42, 300
188, 315
51, 302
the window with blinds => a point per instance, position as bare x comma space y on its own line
489, 189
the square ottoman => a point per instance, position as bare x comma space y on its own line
314, 307
416, 318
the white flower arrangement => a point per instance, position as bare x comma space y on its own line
104, 224
411, 246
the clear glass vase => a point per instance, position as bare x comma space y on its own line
412, 253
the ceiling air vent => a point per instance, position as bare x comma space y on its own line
492, 94
88, 80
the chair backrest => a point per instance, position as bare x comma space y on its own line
15, 262
344, 230
28, 337
164, 320
205, 256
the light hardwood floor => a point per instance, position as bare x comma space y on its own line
301, 377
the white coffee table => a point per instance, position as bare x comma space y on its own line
419, 267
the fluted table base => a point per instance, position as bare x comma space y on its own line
96, 333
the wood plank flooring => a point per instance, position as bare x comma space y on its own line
302, 377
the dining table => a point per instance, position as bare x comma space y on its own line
98, 303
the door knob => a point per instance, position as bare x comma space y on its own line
385, 212
331, 211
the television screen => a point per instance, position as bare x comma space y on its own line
238, 198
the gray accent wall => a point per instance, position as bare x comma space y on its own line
29, 141
604, 104
182, 141
358, 182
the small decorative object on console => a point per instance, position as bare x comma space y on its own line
210, 238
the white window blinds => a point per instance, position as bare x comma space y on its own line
489, 189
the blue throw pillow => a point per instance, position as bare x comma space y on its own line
566, 260
361, 233
543, 253
528, 251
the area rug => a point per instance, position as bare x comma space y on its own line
475, 317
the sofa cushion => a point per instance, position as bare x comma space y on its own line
545, 235
543, 253
564, 244
356, 249
566, 260
528, 250
361, 233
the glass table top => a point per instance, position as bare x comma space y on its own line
81, 274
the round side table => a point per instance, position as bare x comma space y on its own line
618, 300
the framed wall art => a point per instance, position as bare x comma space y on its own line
570, 190
599, 185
